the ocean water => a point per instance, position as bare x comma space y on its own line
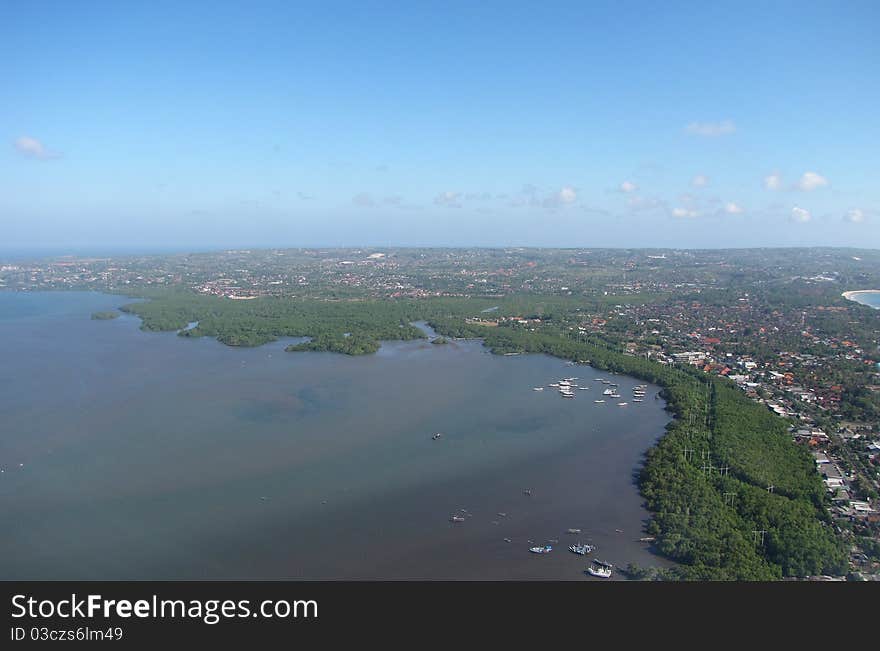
867, 298
134, 455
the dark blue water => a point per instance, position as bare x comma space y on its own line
128, 454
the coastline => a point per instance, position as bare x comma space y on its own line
856, 294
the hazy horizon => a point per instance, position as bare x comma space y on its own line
342, 124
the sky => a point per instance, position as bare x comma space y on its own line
200, 125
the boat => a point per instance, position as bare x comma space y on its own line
437, 436
457, 518
583, 388
622, 404
600, 569
573, 531
580, 549
647, 539
538, 389
546, 549
527, 491
598, 401
638, 400
608, 392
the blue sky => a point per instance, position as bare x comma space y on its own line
215, 124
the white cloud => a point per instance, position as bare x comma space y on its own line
810, 181
700, 181
449, 199
685, 212
363, 199
732, 208
33, 148
711, 129
773, 181
800, 215
628, 186
567, 195
854, 216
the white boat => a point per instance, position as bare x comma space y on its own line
622, 404
538, 389
457, 518
580, 549
573, 531
598, 401
608, 392
638, 400
546, 549
568, 395
600, 569
437, 436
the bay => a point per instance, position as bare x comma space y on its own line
136, 455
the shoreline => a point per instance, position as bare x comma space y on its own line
855, 294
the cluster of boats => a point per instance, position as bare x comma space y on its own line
597, 568
566, 388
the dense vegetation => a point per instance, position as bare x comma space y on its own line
726, 470
256, 322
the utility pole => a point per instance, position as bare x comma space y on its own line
770, 488
728, 498
688, 453
724, 470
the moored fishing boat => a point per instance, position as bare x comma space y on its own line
581, 549
600, 569
546, 549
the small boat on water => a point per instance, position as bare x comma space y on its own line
538, 389
573, 531
600, 569
638, 400
647, 539
583, 388
598, 401
622, 404
527, 491
580, 549
437, 436
457, 518
546, 549
608, 392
